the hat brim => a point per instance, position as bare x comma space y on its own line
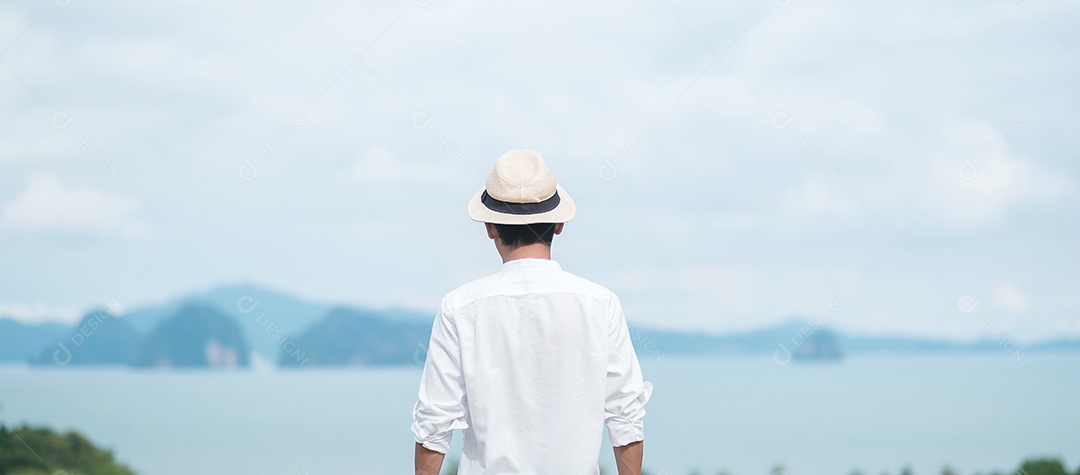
562, 213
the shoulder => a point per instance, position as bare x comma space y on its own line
589, 287
605, 297
469, 292
562, 280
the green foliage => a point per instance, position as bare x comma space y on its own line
1043, 466
41, 451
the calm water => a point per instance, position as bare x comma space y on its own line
875, 414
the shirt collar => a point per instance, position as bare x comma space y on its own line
531, 262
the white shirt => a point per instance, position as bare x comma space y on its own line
530, 363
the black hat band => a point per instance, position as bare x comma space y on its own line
509, 207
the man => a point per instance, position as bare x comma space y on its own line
531, 362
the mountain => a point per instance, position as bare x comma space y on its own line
348, 336
226, 325
100, 338
266, 321
269, 318
23, 341
673, 342
199, 335
258, 310
813, 342
821, 344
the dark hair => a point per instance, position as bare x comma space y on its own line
522, 234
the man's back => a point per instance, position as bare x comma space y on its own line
530, 362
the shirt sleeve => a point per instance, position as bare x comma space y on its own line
440, 406
627, 392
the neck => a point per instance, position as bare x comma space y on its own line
538, 250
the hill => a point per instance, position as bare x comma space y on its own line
41, 451
348, 336
100, 338
228, 325
268, 317
818, 342
23, 341
199, 335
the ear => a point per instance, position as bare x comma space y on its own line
558, 228
491, 231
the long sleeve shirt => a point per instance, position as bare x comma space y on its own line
530, 363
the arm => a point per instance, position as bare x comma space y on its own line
628, 458
427, 461
627, 394
440, 405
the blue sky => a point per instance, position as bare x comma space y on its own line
735, 164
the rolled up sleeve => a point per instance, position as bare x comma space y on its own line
440, 406
627, 392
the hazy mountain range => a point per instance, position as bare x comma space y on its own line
238, 325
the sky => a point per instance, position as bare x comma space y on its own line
883, 168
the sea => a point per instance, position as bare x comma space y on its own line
870, 414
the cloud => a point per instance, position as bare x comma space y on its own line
47, 205
893, 97
380, 165
17, 148
1070, 300
1008, 297
988, 180
811, 201
39, 312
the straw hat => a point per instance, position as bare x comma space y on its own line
521, 190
